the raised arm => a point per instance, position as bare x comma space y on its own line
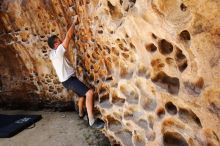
68, 37
69, 33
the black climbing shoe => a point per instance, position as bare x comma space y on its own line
98, 124
84, 114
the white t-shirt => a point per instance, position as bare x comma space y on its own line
61, 64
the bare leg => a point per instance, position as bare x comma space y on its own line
89, 105
81, 105
94, 123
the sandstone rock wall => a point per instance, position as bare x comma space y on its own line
26, 71
154, 63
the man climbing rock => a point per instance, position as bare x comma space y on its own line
66, 75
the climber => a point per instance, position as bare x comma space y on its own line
66, 75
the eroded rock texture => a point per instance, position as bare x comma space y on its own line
154, 64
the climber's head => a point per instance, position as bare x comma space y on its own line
54, 41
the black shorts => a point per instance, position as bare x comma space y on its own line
76, 85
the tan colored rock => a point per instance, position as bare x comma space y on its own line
154, 63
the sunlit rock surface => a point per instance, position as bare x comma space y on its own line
154, 64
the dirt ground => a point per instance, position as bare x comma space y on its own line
56, 129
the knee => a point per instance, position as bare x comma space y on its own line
90, 93
81, 99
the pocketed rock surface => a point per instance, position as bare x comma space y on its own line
154, 64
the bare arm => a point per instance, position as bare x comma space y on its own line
68, 37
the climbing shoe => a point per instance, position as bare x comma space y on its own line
98, 124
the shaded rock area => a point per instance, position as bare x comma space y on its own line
154, 64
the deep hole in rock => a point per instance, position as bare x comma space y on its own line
109, 79
81, 3
188, 116
130, 93
151, 47
154, 36
132, 3
161, 112
114, 11
171, 108
17, 30
108, 49
213, 107
126, 8
121, 46
127, 4
100, 31
179, 55
117, 100
87, 2
183, 7
170, 61
113, 124
125, 55
185, 35
88, 55
102, 90
103, 98
111, 7
183, 66
132, 46
194, 88
181, 60
126, 35
23, 40
165, 47
171, 84
121, 2
174, 139
104, 101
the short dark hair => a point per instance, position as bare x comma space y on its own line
51, 40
